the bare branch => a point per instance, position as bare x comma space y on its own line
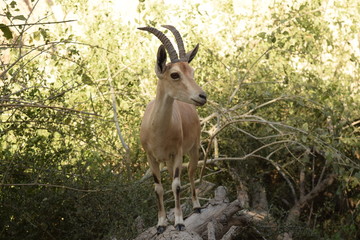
282, 172
37, 23
52, 185
320, 187
50, 107
2, 75
117, 124
247, 73
302, 183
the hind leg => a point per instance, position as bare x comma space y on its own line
194, 158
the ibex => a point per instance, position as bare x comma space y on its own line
170, 127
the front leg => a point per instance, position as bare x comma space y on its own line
176, 188
159, 191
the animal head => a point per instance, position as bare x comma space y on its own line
177, 77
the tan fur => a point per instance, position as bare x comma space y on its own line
170, 128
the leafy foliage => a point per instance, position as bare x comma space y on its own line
284, 106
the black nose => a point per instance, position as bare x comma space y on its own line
203, 96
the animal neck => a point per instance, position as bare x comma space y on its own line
163, 110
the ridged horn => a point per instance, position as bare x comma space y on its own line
161, 36
179, 41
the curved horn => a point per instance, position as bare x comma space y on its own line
161, 36
179, 42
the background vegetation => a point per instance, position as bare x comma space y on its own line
284, 110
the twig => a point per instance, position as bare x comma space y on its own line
37, 23
52, 185
282, 171
247, 73
50, 107
259, 138
259, 120
265, 104
24, 55
302, 183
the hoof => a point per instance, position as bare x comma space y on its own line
160, 229
197, 210
180, 227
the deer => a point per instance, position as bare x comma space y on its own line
170, 126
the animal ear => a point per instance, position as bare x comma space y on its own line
190, 55
161, 59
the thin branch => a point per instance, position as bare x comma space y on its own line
2, 75
37, 23
116, 120
282, 172
247, 73
50, 107
218, 129
259, 138
265, 104
52, 185
302, 183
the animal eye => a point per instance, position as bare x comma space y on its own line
175, 75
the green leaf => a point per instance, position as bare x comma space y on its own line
271, 39
36, 35
13, 4
86, 79
302, 7
44, 33
6, 31
262, 35
8, 15
19, 17
353, 57
67, 120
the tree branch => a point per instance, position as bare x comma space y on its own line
37, 23
117, 124
52, 185
294, 212
50, 107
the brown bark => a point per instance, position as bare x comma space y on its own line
320, 187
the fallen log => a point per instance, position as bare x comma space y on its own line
218, 219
